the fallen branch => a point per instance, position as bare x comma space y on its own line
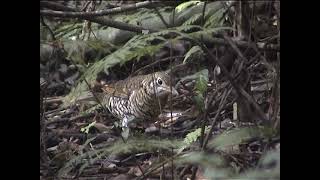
91, 14
99, 20
53, 100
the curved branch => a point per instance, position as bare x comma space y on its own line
99, 20
119, 25
93, 13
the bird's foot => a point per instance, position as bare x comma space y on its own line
125, 132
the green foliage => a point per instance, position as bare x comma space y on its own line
268, 167
137, 47
270, 157
141, 14
195, 19
208, 33
213, 164
186, 28
133, 145
185, 5
191, 138
201, 78
202, 81
80, 51
76, 50
201, 158
238, 136
194, 53
201, 88
214, 18
87, 128
68, 30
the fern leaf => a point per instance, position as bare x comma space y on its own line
185, 5
195, 19
195, 51
137, 144
238, 136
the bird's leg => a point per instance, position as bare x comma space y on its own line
125, 133
126, 120
125, 128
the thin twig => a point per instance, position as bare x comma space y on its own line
238, 89
214, 121
161, 17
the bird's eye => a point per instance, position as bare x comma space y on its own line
159, 81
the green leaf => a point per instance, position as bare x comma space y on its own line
203, 159
191, 138
195, 52
215, 19
212, 164
133, 145
195, 19
270, 157
185, 5
201, 78
199, 101
202, 81
238, 136
269, 167
87, 128
201, 88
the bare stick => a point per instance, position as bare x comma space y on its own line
116, 10
99, 20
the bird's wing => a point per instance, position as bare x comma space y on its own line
116, 92
124, 88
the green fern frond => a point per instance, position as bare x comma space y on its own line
186, 28
193, 20
137, 47
194, 53
185, 5
269, 165
214, 18
238, 136
201, 158
191, 138
67, 30
208, 32
137, 144
200, 88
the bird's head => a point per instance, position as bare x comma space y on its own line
159, 84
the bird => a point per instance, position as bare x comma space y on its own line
138, 97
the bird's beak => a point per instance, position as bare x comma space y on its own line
174, 91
